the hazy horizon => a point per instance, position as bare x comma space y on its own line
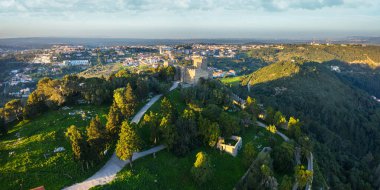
190, 19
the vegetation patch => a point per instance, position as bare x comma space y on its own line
27, 157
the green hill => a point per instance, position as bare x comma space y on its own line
27, 157
320, 53
342, 119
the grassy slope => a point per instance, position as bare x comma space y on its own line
272, 72
28, 168
172, 172
232, 80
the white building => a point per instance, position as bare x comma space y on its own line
75, 62
230, 148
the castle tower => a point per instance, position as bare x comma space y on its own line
199, 63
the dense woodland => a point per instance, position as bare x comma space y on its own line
337, 111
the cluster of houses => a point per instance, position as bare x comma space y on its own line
220, 73
23, 93
19, 78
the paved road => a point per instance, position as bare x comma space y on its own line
142, 111
108, 172
277, 132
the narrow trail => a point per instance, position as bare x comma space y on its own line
108, 172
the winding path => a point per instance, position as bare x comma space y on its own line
309, 158
108, 172
277, 132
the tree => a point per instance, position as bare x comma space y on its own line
252, 107
294, 128
187, 132
246, 119
209, 131
125, 100
229, 125
283, 157
114, 120
272, 128
303, 176
167, 109
34, 105
152, 121
249, 153
13, 110
142, 88
76, 141
130, 100
212, 112
279, 119
168, 131
202, 170
286, 183
129, 142
270, 115
97, 136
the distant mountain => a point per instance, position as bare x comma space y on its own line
343, 120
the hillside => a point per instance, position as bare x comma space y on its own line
342, 119
27, 157
369, 55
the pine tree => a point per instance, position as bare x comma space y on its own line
113, 121
96, 136
76, 141
130, 101
167, 109
168, 131
152, 121
129, 142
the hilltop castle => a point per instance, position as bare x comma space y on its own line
192, 74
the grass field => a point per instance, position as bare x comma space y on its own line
232, 80
22, 161
167, 171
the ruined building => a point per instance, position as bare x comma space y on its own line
192, 74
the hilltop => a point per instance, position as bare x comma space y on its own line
353, 54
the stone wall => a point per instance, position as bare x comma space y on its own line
233, 150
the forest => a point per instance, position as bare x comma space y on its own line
338, 114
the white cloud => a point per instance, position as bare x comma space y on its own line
35, 6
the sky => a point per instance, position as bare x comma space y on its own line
179, 19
